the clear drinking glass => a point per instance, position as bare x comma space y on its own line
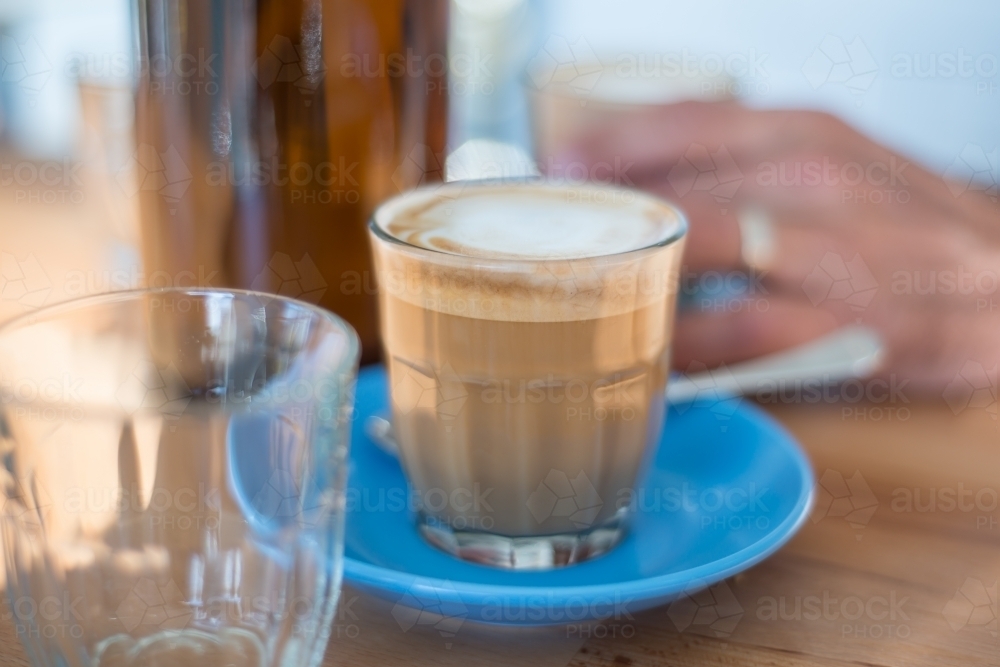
174, 465
527, 390
566, 111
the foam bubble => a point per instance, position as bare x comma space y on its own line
529, 221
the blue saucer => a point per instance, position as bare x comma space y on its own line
728, 488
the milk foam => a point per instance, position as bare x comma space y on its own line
529, 221
527, 252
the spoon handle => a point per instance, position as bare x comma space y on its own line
849, 352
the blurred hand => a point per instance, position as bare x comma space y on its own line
859, 234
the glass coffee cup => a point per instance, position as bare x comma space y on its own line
527, 329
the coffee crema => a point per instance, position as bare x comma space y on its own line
533, 222
530, 252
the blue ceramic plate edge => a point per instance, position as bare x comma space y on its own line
385, 579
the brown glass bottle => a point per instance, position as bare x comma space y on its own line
268, 130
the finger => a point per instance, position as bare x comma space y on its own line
867, 249
758, 328
713, 240
798, 179
798, 239
655, 136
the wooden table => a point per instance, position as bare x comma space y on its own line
907, 585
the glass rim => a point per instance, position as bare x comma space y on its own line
675, 236
77, 304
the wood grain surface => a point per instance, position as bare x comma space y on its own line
910, 585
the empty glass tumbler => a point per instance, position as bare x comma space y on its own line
173, 468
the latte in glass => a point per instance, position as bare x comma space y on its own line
527, 333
